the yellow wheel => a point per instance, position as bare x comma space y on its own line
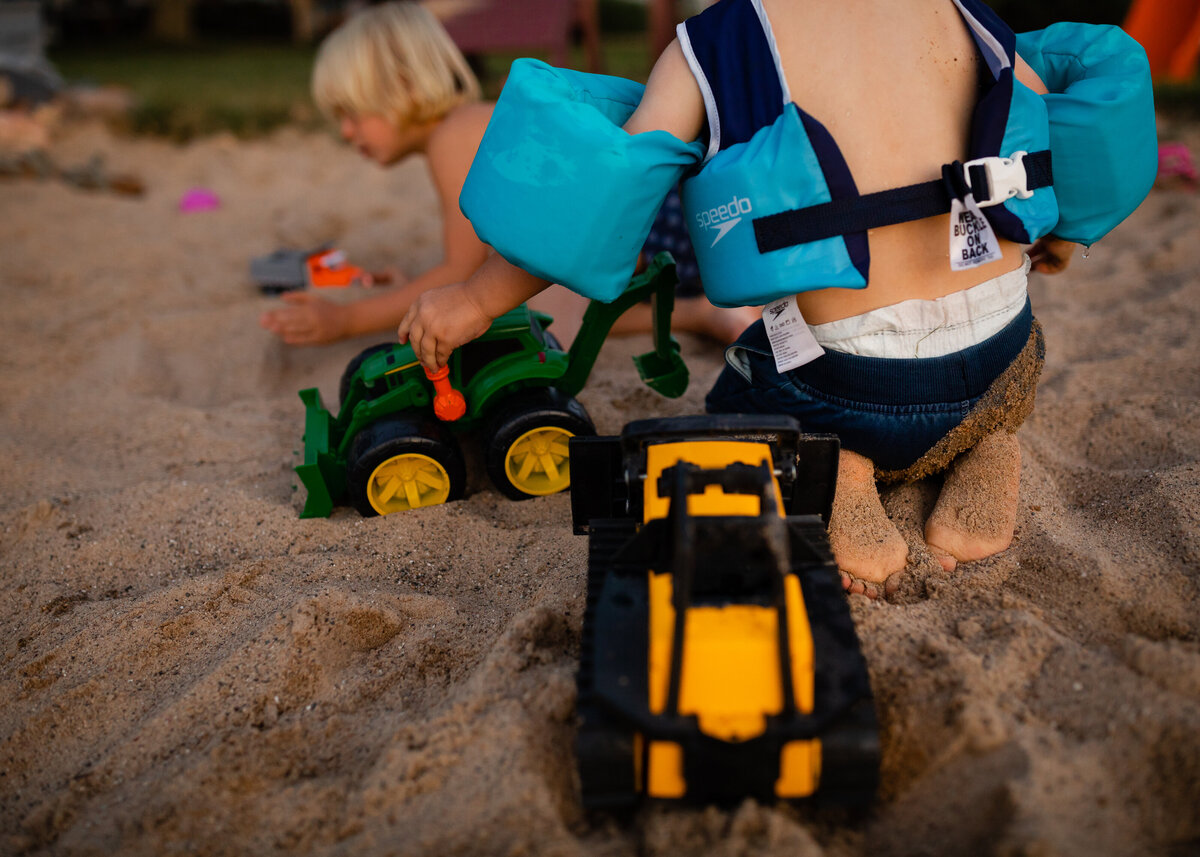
537, 462
403, 462
407, 481
527, 439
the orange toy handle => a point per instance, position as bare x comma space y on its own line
448, 403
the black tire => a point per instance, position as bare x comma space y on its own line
544, 409
411, 443
604, 757
604, 746
850, 757
352, 367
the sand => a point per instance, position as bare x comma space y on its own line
189, 668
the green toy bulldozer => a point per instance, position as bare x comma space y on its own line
394, 443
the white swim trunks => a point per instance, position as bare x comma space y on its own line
930, 328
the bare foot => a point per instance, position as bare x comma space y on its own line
567, 309
691, 315
868, 547
976, 513
724, 324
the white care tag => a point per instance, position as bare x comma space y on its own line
792, 343
972, 241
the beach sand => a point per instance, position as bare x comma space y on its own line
189, 668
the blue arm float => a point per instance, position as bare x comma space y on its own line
559, 188
1102, 130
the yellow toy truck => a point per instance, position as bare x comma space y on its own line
719, 660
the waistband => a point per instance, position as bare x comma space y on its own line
965, 374
931, 328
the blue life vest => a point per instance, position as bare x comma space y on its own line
775, 210
560, 189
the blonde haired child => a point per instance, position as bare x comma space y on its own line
394, 60
397, 85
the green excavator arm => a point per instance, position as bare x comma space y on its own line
662, 369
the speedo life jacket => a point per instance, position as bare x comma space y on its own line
774, 209
560, 189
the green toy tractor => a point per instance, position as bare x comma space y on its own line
394, 444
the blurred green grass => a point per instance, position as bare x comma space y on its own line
250, 89
187, 91
184, 92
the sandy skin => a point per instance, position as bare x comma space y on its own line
975, 516
868, 547
976, 511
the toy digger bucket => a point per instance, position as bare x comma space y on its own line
319, 473
664, 373
663, 369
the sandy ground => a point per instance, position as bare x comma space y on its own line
189, 668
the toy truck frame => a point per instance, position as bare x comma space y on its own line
719, 660
386, 450
289, 270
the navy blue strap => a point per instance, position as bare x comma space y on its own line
851, 214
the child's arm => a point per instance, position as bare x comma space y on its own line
308, 319
1048, 255
672, 101
444, 319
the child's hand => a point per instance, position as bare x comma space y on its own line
306, 320
1050, 255
389, 276
441, 320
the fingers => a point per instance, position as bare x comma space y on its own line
293, 326
403, 331
1047, 264
385, 277
426, 346
1050, 255
432, 354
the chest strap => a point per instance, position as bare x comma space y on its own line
990, 180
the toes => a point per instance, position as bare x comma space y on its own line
857, 586
944, 557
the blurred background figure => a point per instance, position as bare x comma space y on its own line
483, 26
663, 15
1169, 30
26, 76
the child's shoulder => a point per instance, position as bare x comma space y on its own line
468, 117
454, 141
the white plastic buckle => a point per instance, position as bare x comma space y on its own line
1006, 179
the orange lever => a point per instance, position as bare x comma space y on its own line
448, 403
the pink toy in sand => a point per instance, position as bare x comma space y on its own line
1175, 161
199, 199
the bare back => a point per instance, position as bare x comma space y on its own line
894, 82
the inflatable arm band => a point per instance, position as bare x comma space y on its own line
559, 188
1102, 132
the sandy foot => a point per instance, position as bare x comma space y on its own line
976, 512
868, 547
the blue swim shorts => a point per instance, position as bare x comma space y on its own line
669, 232
891, 410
